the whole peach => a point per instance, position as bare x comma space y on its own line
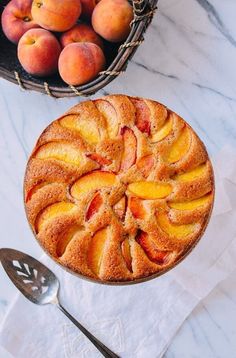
111, 19
38, 52
80, 62
56, 15
88, 7
17, 19
81, 33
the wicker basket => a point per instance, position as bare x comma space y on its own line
117, 59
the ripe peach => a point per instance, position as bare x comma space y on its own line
38, 52
81, 33
17, 19
88, 7
111, 19
79, 63
58, 15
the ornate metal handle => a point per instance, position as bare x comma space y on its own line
106, 352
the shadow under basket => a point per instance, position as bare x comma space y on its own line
117, 56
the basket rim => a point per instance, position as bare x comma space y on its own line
118, 65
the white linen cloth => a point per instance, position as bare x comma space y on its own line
137, 321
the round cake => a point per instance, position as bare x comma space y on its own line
118, 189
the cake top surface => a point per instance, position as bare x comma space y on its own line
118, 189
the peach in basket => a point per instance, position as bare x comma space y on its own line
63, 15
58, 15
17, 19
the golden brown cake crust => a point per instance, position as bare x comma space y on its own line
118, 189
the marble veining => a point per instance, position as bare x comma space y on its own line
187, 62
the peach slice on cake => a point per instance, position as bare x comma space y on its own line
142, 116
193, 204
150, 247
145, 164
136, 207
99, 159
96, 250
180, 147
130, 148
34, 189
109, 113
87, 129
65, 239
125, 250
51, 212
163, 132
94, 206
179, 231
196, 173
62, 151
150, 190
95, 180
120, 207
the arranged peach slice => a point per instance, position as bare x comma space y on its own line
193, 204
109, 113
130, 148
180, 147
120, 207
136, 207
94, 206
96, 249
142, 116
52, 211
34, 189
64, 241
61, 151
151, 249
99, 159
163, 132
150, 190
125, 249
95, 180
87, 129
192, 175
178, 231
145, 164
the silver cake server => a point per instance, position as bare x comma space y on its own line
39, 284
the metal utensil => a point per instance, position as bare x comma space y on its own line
37, 283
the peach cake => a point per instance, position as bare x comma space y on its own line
118, 189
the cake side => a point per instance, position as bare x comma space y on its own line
118, 188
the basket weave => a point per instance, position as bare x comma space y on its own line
117, 59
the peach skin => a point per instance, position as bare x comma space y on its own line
88, 7
17, 19
58, 15
80, 63
81, 33
38, 52
111, 19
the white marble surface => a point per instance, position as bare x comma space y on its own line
188, 63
